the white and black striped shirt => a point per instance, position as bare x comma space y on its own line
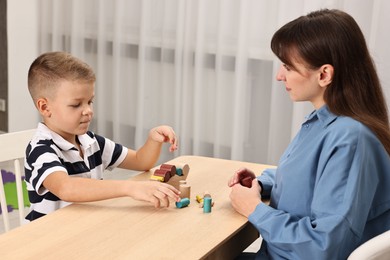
48, 152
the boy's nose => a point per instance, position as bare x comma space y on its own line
87, 111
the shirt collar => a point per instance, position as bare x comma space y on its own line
85, 140
323, 114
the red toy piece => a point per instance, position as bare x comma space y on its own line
247, 182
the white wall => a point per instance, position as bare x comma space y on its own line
23, 39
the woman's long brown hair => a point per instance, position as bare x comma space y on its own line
333, 37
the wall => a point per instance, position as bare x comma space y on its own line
23, 36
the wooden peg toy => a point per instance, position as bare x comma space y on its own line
184, 202
247, 182
185, 190
171, 174
207, 204
205, 200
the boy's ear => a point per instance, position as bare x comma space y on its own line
326, 75
43, 107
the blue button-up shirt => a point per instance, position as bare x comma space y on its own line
329, 194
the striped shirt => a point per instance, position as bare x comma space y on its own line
48, 152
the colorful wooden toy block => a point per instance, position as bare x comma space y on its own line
166, 174
185, 189
247, 182
207, 204
171, 174
205, 201
184, 202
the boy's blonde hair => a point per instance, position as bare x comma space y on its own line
51, 68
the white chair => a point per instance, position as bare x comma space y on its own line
377, 248
12, 148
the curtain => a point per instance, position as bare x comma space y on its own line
202, 66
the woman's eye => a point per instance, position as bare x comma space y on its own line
286, 67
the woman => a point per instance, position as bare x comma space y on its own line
330, 191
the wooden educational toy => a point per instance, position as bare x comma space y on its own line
207, 204
185, 189
172, 174
184, 202
247, 182
205, 201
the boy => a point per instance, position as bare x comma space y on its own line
64, 161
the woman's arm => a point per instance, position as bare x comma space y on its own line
341, 202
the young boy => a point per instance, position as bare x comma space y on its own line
64, 161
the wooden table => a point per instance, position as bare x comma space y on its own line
124, 228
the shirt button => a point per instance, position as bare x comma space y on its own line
306, 125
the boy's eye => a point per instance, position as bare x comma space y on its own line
286, 67
75, 105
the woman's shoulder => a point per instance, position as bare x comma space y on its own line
351, 129
348, 123
339, 124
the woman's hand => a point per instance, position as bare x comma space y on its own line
244, 200
243, 176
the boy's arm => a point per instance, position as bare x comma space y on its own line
146, 157
75, 189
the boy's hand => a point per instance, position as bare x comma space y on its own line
164, 134
154, 192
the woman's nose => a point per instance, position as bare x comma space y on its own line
280, 76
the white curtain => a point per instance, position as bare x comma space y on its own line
202, 66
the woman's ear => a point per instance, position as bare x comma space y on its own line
326, 75
43, 107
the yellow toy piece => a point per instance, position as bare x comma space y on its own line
157, 178
199, 198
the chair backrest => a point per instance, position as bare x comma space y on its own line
12, 148
377, 248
